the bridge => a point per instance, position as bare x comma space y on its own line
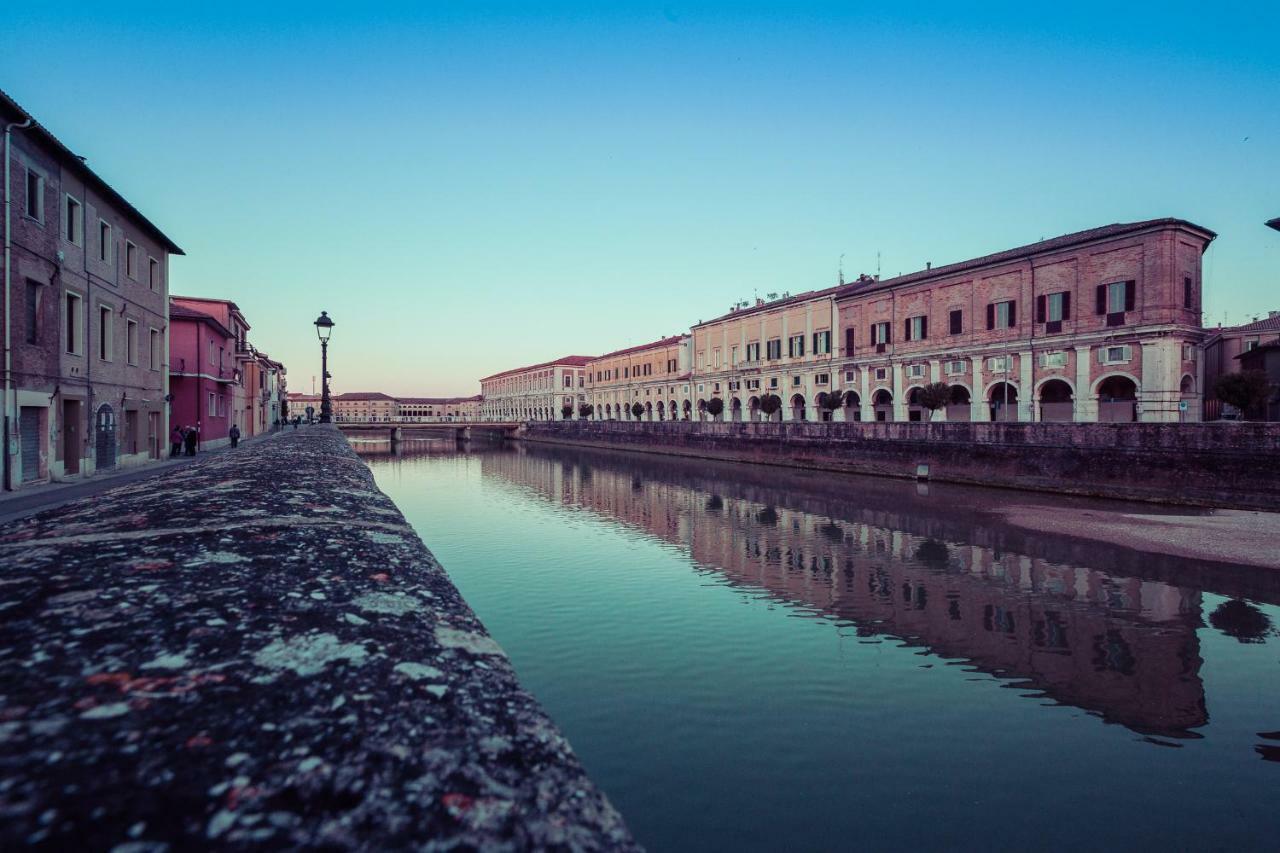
461, 430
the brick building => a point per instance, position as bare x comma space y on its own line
1102, 324
1246, 347
655, 375
86, 280
536, 392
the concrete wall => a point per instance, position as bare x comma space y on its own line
1230, 465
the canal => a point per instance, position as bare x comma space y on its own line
755, 658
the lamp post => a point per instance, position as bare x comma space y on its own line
324, 328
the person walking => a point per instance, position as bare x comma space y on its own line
234, 435
176, 438
190, 439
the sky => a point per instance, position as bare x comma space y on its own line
471, 187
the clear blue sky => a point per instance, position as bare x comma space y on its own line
469, 187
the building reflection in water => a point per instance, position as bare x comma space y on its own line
1122, 647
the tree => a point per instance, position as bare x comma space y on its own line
1246, 390
566, 411
715, 406
637, 409
586, 409
934, 396
831, 400
770, 404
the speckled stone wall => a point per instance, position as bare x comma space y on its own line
206, 659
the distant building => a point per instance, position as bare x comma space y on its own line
1251, 346
363, 407
87, 291
655, 375
297, 404
537, 392
437, 409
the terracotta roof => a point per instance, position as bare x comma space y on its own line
438, 401
73, 163
1266, 324
1053, 244
363, 396
567, 361
182, 312
661, 343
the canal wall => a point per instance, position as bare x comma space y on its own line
257, 651
1217, 464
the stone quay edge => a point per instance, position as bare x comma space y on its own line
203, 659
1227, 465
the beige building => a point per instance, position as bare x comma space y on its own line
537, 392
653, 375
363, 407
437, 409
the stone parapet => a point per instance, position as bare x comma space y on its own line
1209, 464
207, 659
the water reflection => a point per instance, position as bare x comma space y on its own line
1118, 646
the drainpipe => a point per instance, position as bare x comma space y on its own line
9, 396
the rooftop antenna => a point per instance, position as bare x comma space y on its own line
841, 267
877, 263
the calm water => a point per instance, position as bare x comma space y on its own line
751, 658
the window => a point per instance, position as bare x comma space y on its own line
715, 357
796, 381
1188, 352
1052, 309
733, 356
104, 241
753, 351
34, 292
153, 273
882, 373
999, 364
104, 333
822, 342
1114, 355
131, 342
916, 328
213, 405
1188, 293
213, 352
155, 349
850, 375
130, 259
1114, 299
73, 222
1053, 359
957, 366
773, 382
35, 195
1250, 344
848, 341
753, 384
957, 321
880, 334
75, 324
915, 371
773, 349
1002, 315
795, 346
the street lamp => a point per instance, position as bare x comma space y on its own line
324, 328
1274, 223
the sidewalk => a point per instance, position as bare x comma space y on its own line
24, 502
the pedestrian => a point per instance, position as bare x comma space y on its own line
297, 420
176, 438
192, 436
234, 435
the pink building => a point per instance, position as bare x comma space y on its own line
202, 372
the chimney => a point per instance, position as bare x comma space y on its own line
928, 265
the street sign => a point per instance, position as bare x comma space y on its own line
1182, 405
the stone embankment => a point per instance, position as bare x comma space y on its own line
1213, 464
258, 651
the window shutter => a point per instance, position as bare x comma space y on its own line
1066, 305
873, 335
1013, 313
991, 315
956, 322
888, 333
848, 341
1130, 295
1102, 299
924, 327
906, 329
1102, 355
1040, 309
